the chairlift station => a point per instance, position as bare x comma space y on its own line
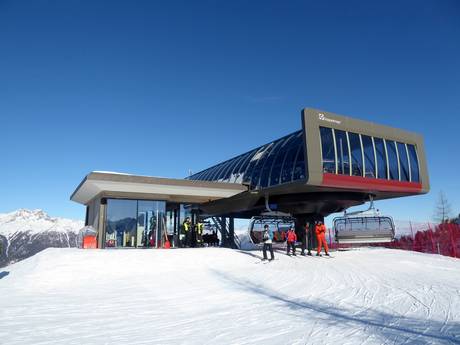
332, 163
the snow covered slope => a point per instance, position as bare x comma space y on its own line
220, 296
24, 233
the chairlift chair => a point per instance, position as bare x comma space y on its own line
278, 222
364, 227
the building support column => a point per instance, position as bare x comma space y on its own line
101, 225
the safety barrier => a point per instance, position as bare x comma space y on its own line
443, 239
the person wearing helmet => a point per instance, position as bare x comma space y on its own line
320, 230
267, 238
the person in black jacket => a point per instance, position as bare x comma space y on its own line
307, 238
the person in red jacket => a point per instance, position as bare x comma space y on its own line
291, 240
320, 230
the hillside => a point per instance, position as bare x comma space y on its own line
24, 233
222, 296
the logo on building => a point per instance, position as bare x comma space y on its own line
322, 117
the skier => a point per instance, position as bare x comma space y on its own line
291, 239
267, 237
320, 230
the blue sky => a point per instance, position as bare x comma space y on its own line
160, 88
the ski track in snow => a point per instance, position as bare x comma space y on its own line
221, 296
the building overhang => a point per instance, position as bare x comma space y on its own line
110, 184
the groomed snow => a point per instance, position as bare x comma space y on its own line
220, 296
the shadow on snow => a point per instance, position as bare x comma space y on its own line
396, 328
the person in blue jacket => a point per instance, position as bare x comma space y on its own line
267, 238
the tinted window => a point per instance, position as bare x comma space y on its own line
299, 169
260, 154
215, 170
288, 164
392, 159
369, 158
260, 164
343, 156
356, 154
275, 173
206, 174
381, 158
327, 150
121, 223
403, 162
265, 174
241, 168
414, 169
228, 171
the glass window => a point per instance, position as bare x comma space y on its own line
206, 174
356, 154
254, 162
327, 150
299, 169
236, 169
221, 174
212, 172
261, 163
121, 223
242, 169
392, 159
343, 155
403, 162
369, 158
288, 163
265, 174
235, 162
151, 223
414, 169
381, 155
275, 172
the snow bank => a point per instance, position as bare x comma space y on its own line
221, 296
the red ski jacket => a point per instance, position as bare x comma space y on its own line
291, 236
319, 229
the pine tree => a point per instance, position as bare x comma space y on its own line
442, 210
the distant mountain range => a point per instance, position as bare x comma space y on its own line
24, 233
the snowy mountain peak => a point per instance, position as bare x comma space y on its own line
26, 214
25, 232
35, 221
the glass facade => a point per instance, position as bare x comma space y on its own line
327, 149
343, 152
393, 164
381, 155
134, 223
371, 157
413, 160
280, 161
403, 162
356, 154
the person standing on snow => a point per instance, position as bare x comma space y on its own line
320, 230
307, 238
267, 238
291, 240
187, 228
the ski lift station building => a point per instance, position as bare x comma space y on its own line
332, 163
